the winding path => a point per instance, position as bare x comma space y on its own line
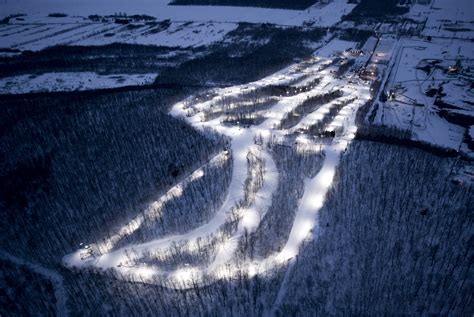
243, 141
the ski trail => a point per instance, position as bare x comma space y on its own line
153, 211
251, 216
55, 278
313, 200
255, 139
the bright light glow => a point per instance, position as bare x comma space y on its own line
326, 178
302, 139
145, 273
186, 275
252, 270
320, 115
305, 229
316, 201
250, 219
132, 226
323, 110
344, 112
176, 191
352, 130
351, 136
242, 142
197, 175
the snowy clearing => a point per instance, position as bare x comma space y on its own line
83, 32
175, 26
448, 20
420, 82
73, 81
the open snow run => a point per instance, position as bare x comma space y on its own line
47, 32
55, 278
66, 81
177, 26
246, 139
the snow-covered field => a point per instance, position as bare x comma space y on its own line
410, 107
50, 82
445, 18
188, 26
321, 15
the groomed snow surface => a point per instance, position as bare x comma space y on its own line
449, 19
321, 15
223, 265
46, 32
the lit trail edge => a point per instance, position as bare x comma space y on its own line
307, 79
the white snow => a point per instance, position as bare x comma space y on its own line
242, 142
448, 16
69, 81
178, 34
190, 25
411, 84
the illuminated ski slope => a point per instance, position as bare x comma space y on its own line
247, 140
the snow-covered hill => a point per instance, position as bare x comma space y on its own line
228, 161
